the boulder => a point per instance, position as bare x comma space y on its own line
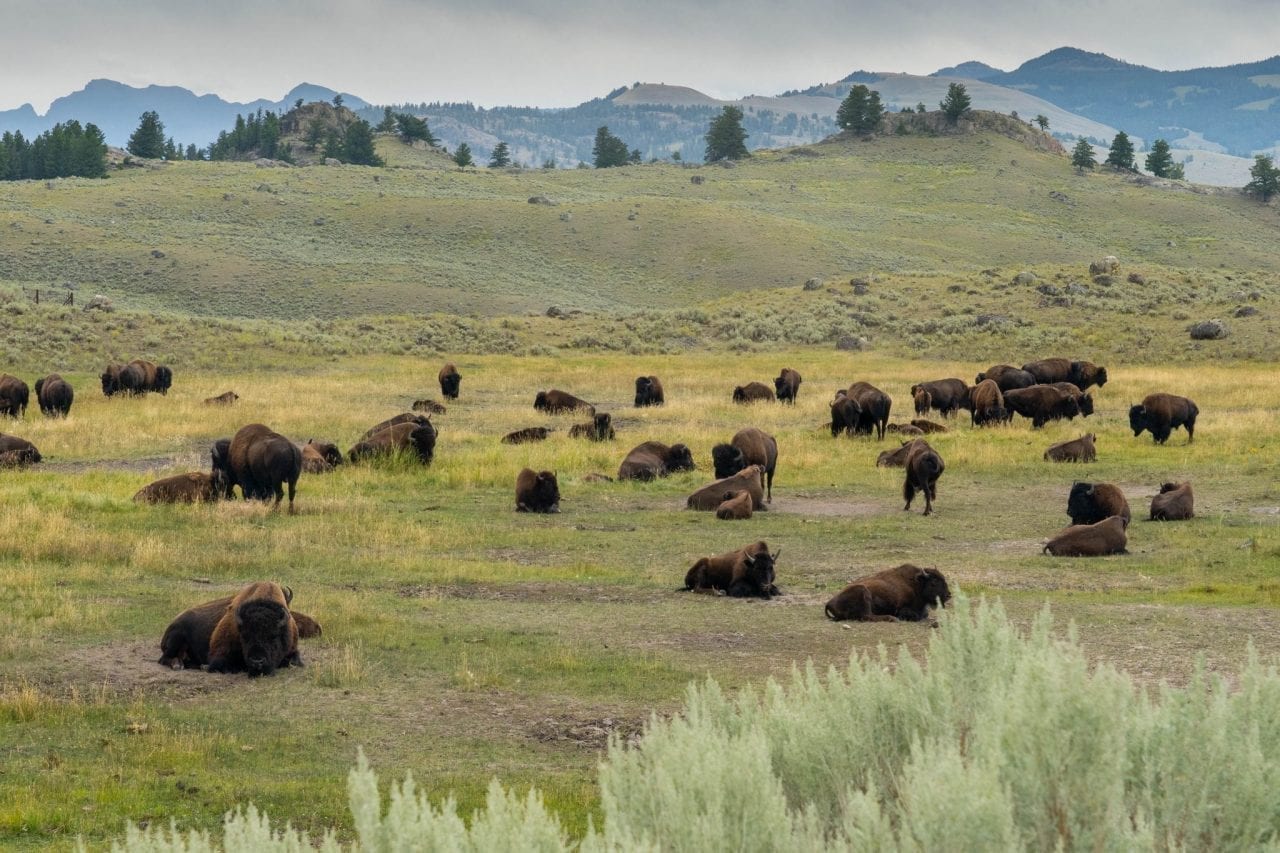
99, 303
542, 199
814, 283
1208, 330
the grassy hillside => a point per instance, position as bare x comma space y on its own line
328, 242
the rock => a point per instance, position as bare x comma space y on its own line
1025, 277
1245, 311
566, 216
851, 343
814, 283
553, 311
697, 179
319, 220
1172, 245
99, 303
1048, 289
1208, 330
330, 161
1103, 280
542, 199
1075, 288
268, 163
631, 217
157, 254
228, 197
861, 289
1137, 278
1062, 197
264, 188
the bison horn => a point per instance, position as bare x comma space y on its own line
750, 560
776, 554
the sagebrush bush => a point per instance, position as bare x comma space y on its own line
999, 740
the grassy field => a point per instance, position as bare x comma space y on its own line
464, 641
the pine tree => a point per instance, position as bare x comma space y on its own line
1265, 178
501, 157
357, 145
462, 156
1082, 156
726, 140
193, 153
1159, 161
1043, 121
412, 128
316, 133
148, 139
635, 158
388, 123
861, 111
1121, 154
171, 150
609, 151
956, 103
337, 101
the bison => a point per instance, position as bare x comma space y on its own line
253, 631
195, 487
710, 496
904, 429
986, 404
123, 379
14, 396
748, 572
927, 427
653, 459
922, 399
1090, 540
1162, 414
526, 435
748, 446
1089, 503
153, 377
320, 457
649, 391
18, 451
1077, 450
924, 467
736, 506
428, 405
222, 399
537, 491
873, 408
1174, 503
403, 437
1041, 404
845, 414
1084, 401
904, 593
948, 396
554, 402
1082, 374
450, 379
54, 395
894, 458
260, 462
405, 418
600, 428
1006, 376
753, 392
787, 385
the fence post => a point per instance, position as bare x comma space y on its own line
37, 296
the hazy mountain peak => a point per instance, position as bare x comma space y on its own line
972, 70
1074, 59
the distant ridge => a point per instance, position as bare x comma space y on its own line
968, 70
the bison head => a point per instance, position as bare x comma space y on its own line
977, 380
164, 379
603, 423
739, 394
1080, 503
449, 383
110, 382
265, 638
932, 587
679, 458
221, 457
424, 439
644, 390
1086, 404
327, 450
540, 401
728, 460
1137, 419
759, 570
546, 492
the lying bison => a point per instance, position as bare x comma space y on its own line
787, 385
225, 399
986, 404
195, 487
1089, 503
407, 437
748, 446
649, 392
924, 467
753, 392
1090, 540
450, 379
405, 418
909, 430
55, 396
600, 428
1161, 414
253, 631
320, 457
904, 593
260, 462
1041, 404
736, 506
1006, 376
14, 396
948, 396
1174, 503
748, 572
537, 491
428, 405
17, 452
554, 402
526, 435
1077, 450
654, 459
927, 427
710, 496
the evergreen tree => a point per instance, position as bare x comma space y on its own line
726, 140
337, 101
1043, 121
315, 133
193, 153
920, 108
1121, 154
1082, 156
675, 156
501, 157
357, 145
297, 105
412, 128
333, 148
1159, 161
609, 150
462, 156
1265, 178
956, 103
171, 150
861, 111
388, 123
635, 158
62, 151
148, 139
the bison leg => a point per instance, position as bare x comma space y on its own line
908, 493
173, 650
743, 589
294, 658
1191, 430
928, 500
292, 489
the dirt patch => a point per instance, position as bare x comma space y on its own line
137, 466
590, 734
129, 669
827, 506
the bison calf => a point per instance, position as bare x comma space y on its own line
599, 429
428, 405
320, 457
526, 435
749, 572
225, 399
946, 395
1090, 503
736, 506
710, 496
537, 491
1077, 450
924, 467
1174, 503
183, 489
906, 592
18, 452
1162, 414
1090, 540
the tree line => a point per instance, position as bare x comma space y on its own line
65, 150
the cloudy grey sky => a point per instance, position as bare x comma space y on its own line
550, 53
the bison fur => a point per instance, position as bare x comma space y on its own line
904, 593
1077, 450
1090, 540
924, 467
1089, 503
1174, 503
653, 459
749, 572
1161, 414
537, 491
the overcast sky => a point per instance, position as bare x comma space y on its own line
561, 53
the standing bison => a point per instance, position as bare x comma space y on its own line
787, 385
749, 446
1006, 376
1161, 414
1082, 374
986, 404
653, 459
1041, 403
924, 467
55, 396
260, 462
450, 379
649, 392
748, 572
537, 491
948, 396
873, 408
904, 593
845, 414
14, 396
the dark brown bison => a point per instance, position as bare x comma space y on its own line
155, 377
55, 396
1174, 503
948, 396
927, 427
1007, 377
526, 435
253, 631
710, 496
986, 404
222, 399
600, 428
1082, 374
1041, 404
753, 392
894, 458
924, 467
748, 446
1090, 540
405, 418
787, 385
1084, 401
736, 506
1077, 450
1090, 503
428, 406
320, 457
845, 413
905, 593
14, 396
195, 487
450, 379
18, 451
406, 437
653, 459
554, 402
123, 379
1086, 374
1162, 414
649, 391
537, 491
922, 399
873, 408
748, 572
16, 459
260, 462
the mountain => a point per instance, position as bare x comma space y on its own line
188, 117
968, 71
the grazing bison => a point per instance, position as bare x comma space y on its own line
526, 435
54, 395
922, 399
748, 446
787, 384
260, 462
153, 377
927, 427
986, 404
1090, 540
1006, 376
428, 406
710, 496
405, 418
195, 487
736, 506
753, 392
649, 391
905, 593
1041, 403
894, 458
599, 429
873, 408
14, 396
401, 438
924, 467
16, 459
554, 402
1084, 401
1162, 414
1077, 450
450, 379
537, 491
320, 457
1174, 503
18, 451
845, 413
123, 379
748, 572
653, 459
253, 631
222, 399
948, 396
1090, 503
